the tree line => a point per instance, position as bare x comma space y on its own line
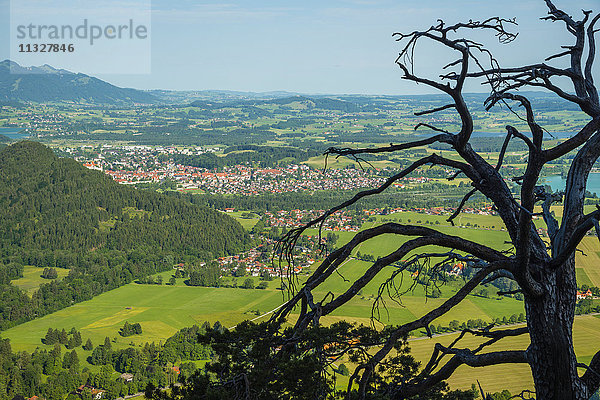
263, 156
54, 373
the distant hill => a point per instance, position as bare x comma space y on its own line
317, 102
55, 213
186, 96
47, 84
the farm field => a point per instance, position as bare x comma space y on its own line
32, 278
163, 309
590, 262
514, 377
247, 223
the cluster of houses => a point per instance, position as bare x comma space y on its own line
96, 393
244, 180
44, 123
411, 181
135, 163
142, 164
343, 221
257, 262
456, 269
585, 295
340, 221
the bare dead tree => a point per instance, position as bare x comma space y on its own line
545, 275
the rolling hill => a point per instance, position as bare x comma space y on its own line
55, 213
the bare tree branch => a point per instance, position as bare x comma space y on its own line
578, 234
591, 377
549, 219
589, 78
571, 144
426, 237
425, 320
434, 110
498, 275
461, 356
464, 200
549, 290
433, 128
445, 138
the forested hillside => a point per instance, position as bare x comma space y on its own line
41, 84
54, 213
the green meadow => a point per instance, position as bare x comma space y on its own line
589, 260
161, 310
32, 278
247, 223
164, 309
514, 377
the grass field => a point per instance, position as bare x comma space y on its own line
247, 223
513, 377
590, 260
32, 278
162, 310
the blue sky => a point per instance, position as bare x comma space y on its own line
315, 46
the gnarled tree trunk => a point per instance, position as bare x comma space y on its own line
547, 281
550, 322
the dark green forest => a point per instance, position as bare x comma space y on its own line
55, 373
54, 213
321, 200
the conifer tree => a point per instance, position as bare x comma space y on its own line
88, 345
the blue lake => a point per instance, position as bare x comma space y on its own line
13, 133
557, 182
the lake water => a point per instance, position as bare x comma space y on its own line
13, 133
557, 182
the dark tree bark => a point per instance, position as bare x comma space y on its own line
546, 276
550, 322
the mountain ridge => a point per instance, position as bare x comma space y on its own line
48, 84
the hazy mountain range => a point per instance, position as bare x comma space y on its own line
48, 84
